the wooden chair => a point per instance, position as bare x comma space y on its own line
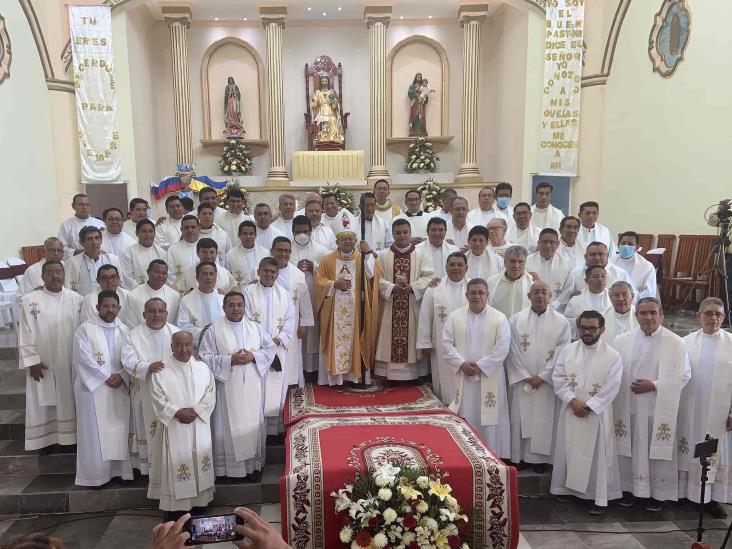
690, 268
32, 254
323, 66
645, 242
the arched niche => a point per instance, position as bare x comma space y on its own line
232, 56
417, 54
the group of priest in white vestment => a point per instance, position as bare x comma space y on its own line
544, 354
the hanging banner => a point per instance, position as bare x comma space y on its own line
562, 84
96, 96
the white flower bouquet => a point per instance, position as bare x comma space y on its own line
421, 156
431, 191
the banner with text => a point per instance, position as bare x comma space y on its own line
562, 84
96, 96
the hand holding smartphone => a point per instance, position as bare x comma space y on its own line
212, 529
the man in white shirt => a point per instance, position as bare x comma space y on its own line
509, 290
168, 229
641, 272
655, 370
283, 223
437, 248
543, 214
209, 229
594, 297
206, 250
376, 231
182, 254
243, 260
458, 227
591, 230
203, 305
497, 229
155, 287
386, 208
569, 246
522, 232
107, 279
334, 216
484, 212
266, 233
553, 268
137, 257
53, 250
68, 233
81, 269
476, 340
596, 254
415, 216
447, 196
482, 261
115, 241
620, 317
102, 397
230, 220
209, 195
137, 212
321, 234
502, 206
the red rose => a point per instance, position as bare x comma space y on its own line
463, 527
374, 521
363, 539
413, 545
409, 522
454, 541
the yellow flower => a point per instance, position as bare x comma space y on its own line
409, 492
440, 490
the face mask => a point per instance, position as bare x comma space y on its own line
504, 202
626, 251
302, 239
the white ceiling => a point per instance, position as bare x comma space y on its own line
297, 10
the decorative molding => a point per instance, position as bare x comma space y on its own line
444, 90
37, 32
257, 146
232, 41
279, 187
55, 84
608, 56
538, 4
669, 37
6, 51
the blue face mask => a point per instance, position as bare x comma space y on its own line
626, 251
504, 202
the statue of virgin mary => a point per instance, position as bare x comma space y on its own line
232, 109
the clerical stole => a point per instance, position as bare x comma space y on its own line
400, 306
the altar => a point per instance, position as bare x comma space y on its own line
328, 166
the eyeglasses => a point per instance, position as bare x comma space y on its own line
590, 329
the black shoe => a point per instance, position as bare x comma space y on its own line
564, 499
597, 511
540, 468
627, 500
716, 510
652, 505
253, 477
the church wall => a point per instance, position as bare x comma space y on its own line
27, 153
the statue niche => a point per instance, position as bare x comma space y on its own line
325, 121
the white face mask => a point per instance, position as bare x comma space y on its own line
302, 238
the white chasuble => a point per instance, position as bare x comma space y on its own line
181, 255
31, 279
136, 261
221, 237
706, 403
485, 265
137, 298
168, 232
509, 296
482, 400
438, 255
534, 341
528, 237
230, 223
557, 272
117, 244
574, 253
613, 274
47, 325
585, 301
187, 473
243, 263
81, 271
437, 304
616, 324
641, 272
225, 282
142, 347
585, 461
89, 306
197, 310
238, 420
549, 218
292, 280
598, 233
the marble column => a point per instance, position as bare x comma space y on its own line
377, 20
471, 17
178, 19
273, 20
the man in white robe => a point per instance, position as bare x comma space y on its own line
137, 257
458, 228
497, 241
206, 250
502, 205
543, 214
283, 222
136, 213
233, 217
271, 306
68, 232
414, 214
482, 261
706, 408
53, 250
266, 233
183, 396
522, 231
437, 304
102, 396
210, 196
537, 334
376, 231
209, 229
655, 370
405, 275
553, 268
48, 319
115, 241
569, 246
594, 297
182, 254
107, 279
620, 316
437, 248
446, 198
168, 229
239, 353
591, 230
476, 341
81, 269
641, 272
335, 217
143, 352
386, 208
155, 287
587, 376
596, 254
203, 305
321, 234
484, 213
292, 280
242, 261
509, 290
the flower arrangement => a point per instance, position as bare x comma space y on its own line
399, 507
233, 184
345, 199
236, 158
430, 190
421, 156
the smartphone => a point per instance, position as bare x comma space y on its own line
212, 529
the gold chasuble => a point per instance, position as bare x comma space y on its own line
339, 313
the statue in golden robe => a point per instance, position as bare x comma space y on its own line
327, 113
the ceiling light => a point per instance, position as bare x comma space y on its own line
401, 17
310, 9
429, 17
216, 18
340, 8
324, 14
246, 19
